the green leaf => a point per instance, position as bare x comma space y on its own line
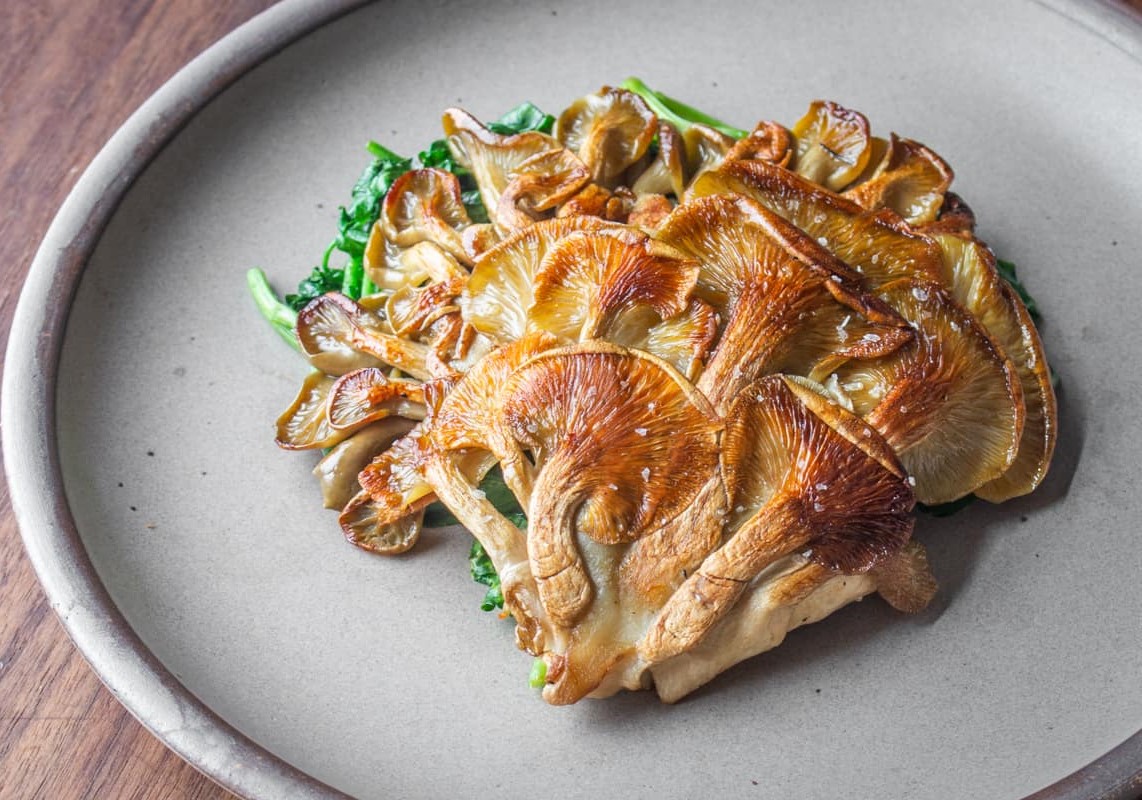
680, 115
524, 117
484, 572
323, 279
439, 156
947, 509
1007, 271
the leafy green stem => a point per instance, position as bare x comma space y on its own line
281, 317
676, 112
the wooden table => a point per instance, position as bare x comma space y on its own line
71, 71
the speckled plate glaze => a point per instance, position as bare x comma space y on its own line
191, 563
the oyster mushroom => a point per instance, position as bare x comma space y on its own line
683, 340
588, 279
706, 149
949, 403
500, 290
305, 425
911, 180
832, 144
791, 593
338, 336
803, 475
461, 433
879, 245
539, 184
410, 310
391, 267
425, 205
767, 142
337, 472
666, 173
494, 159
977, 285
367, 395
596, 417
609, 130
779, 293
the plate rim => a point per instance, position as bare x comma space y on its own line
147, 689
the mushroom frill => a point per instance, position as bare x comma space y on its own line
716, 372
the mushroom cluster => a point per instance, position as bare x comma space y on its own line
716, 372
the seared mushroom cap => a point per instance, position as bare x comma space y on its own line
802, 474
778, 292
538, 184
978, 286
832, 144
949, 403
305, 425
879, 245
500, 290
337, 471
666, 173
622, 444
342, 336
588, 279
609, 130
767, 142
911, 181
367, 395
425, 205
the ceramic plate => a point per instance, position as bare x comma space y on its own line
192, 563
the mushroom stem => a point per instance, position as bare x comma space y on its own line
777, 530
564, 585
502, 540
408, 357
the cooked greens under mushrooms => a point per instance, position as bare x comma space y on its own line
684, 383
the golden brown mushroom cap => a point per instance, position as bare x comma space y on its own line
341, 336
767, 142
879, 245
367, 395
425, 205
801, 474
949, 403
911, 181
622, 444
609, 130
978, 287
500, 290
779, 293
589, 278
832, 144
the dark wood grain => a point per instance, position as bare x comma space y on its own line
71, 71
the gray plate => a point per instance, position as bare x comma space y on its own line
189, 559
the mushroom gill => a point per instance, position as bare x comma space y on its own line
500, 290
911, 180
803, 476
949, 403
339, 336
832, 144
609, 130
879, 245
589, 279
425, 205
779, 294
